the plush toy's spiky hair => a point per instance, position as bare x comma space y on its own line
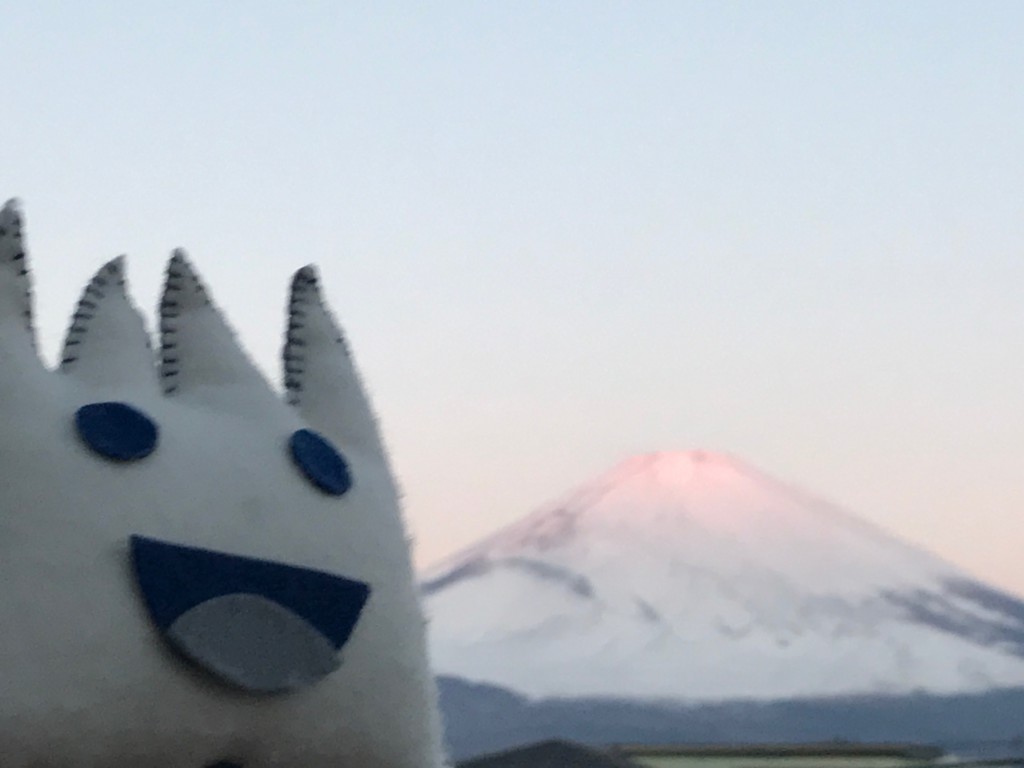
107, 343
16, 284
320, 376
199, 358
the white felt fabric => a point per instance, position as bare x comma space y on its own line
86, 680
107, 345
320, 377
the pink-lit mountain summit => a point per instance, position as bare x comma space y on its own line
690, 575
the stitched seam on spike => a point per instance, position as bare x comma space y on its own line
23, 272
294, 354
84, 312
169, 312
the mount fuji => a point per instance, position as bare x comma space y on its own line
693, 577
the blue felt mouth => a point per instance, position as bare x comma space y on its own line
261, 625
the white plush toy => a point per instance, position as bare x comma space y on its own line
192, 572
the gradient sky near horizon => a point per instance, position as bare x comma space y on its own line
559, 234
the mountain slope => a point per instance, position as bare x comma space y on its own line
691, 576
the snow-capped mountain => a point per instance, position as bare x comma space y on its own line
691, 576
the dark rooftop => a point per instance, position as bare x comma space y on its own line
549, 754
921, 752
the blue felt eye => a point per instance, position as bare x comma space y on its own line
320, 462
116, 430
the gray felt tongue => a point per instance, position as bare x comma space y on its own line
254, 643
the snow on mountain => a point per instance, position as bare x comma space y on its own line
692, 576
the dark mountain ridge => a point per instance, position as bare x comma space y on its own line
482, 718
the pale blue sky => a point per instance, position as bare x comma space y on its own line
561, 233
